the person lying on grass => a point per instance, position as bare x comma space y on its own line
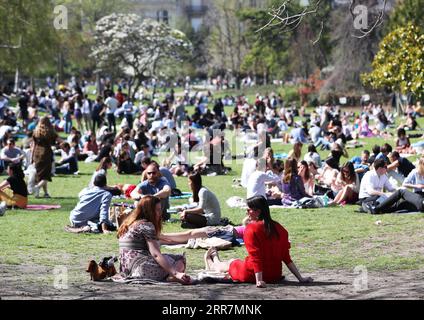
267, 244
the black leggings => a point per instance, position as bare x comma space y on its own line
194, 221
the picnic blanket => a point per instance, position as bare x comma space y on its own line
281, 156
184, 195
236, 202
42, 207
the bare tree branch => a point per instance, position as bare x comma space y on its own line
280, 17
320, 33
277, 14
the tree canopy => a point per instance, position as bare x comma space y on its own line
399, 65
138, 48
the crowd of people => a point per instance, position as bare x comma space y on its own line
117, 131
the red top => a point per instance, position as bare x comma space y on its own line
120, 97
265, 254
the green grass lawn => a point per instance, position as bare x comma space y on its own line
330, 238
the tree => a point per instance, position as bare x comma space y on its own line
75, 43
139, 48
399, 65
280, 53
227, 44
407, 12
28, 38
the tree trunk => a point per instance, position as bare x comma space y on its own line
60, 71
32, 84
130, 83
15, 89
98, 85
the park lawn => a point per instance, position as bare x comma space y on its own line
329, 238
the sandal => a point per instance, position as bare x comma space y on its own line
213, 253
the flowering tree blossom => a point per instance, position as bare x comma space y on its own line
137, 47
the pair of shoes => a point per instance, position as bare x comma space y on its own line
47, 196
368, 207
3, 208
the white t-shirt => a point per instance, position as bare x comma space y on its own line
112, 105
210, 205
256, 184
86, 107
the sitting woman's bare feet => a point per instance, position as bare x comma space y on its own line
209, 257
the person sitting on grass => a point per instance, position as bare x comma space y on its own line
11, 154
92, 209
16, 183
415, 179
139, 249
348, 185
375, 185
403, 144
267, 245
293, 187
401, 200
208, 210
68, 163
154, 185
104, 165
399, 167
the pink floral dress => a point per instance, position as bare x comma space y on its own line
135, 258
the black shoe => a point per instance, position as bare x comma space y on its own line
368, 207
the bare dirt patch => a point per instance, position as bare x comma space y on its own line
37, 282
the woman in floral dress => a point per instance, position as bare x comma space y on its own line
140, 256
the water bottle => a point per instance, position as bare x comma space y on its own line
325, 200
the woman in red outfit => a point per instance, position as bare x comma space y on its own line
267, 244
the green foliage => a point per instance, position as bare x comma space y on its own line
281, 52
399, 65
407, 12
28, 25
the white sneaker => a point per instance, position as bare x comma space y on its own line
3, 208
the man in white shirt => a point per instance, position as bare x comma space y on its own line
111, 106
256, 184
375, 182
11, 154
